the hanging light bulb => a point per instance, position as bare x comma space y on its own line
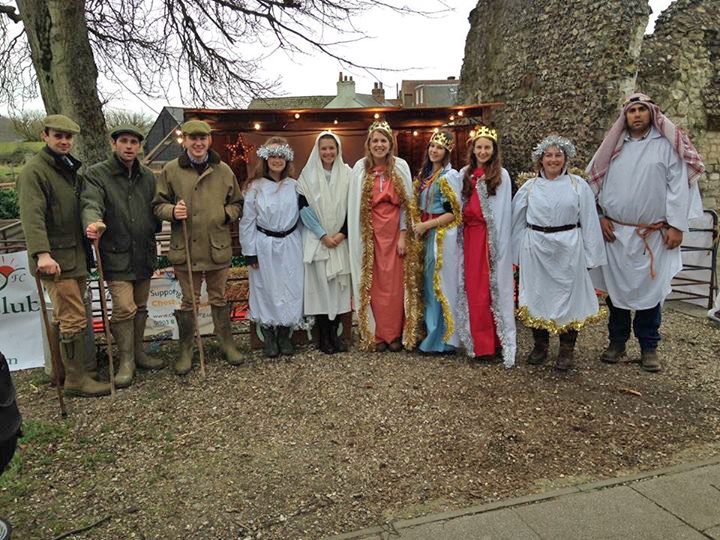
257, 125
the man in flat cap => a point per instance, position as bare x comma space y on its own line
49, 193
200, 188
117, 208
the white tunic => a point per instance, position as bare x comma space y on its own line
646, 183
276, 286
555, 285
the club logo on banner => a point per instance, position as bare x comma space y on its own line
20, 330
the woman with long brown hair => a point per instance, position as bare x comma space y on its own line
272, 245
486, 319
382, 245
437, 195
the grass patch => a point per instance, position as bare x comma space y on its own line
14, 151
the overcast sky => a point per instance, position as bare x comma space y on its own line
433, 47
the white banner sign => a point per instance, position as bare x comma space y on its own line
165, 298
20, 322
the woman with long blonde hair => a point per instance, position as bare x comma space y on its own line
383, 250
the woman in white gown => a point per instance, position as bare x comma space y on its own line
323, 187
271, 240
556, 239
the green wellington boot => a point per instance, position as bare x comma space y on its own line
142, 360
284, 341
123, 333
270, 341
186, 329
223, 332
77, 380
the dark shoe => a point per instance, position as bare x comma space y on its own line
270, 342
381, 347
123, 332
223, 332
649, 360
565, 356
284, 342
324, 329
539, 353
142, 360
396, 345
77, 380
186, 330
614, 352
337, 341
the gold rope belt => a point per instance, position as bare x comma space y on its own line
644, 230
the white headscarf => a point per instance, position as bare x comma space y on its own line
329, 202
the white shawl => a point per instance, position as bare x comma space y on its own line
329, 202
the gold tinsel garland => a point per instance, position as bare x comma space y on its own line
409, 337
551, 326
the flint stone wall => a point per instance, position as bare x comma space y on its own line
565, 66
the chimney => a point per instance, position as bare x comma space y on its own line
378, 92
346, 87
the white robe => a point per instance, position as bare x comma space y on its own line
555, 285
497, 211
355, 240
645, 184
276, 286
327, 271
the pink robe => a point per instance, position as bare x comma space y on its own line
386, 292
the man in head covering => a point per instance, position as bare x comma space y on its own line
117, 208
48, 189
202, 190
644, 175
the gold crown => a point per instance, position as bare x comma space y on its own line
484, 131
443, 139
381, 125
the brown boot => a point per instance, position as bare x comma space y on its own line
186, 329
538, 355
566, 351
77, 381
223, 332
614, 352
649, 360
123, 333
142, 360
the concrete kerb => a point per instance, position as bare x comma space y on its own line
527, 499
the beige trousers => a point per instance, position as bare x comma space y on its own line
215, 280
66, 296
128, 297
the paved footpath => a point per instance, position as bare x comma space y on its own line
680, 502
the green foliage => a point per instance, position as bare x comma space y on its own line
9, 208
14, 152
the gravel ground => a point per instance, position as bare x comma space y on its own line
317, 445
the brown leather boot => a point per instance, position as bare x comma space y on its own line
614, 352
123, 333
538, 355
566, 351
649, 360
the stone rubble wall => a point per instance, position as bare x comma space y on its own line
565, 66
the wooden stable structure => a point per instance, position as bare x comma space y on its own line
238, 132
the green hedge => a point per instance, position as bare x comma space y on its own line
9, 208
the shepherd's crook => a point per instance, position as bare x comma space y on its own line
188, 261
53, 354
103, 306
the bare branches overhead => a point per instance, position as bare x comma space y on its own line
210, 50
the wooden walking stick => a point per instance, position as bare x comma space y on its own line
188, 261
53, 354
103, 306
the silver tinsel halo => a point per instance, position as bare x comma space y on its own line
562, 143
276, 150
